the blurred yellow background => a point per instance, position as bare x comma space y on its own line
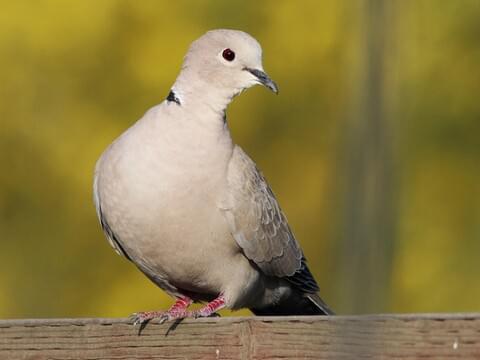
372, 146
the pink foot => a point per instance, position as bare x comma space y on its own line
209, 309
177, 311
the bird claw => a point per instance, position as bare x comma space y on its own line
198, 314
164, 318
141, 318
201, 314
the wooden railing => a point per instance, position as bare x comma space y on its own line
436, 336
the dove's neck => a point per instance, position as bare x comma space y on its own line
202, 97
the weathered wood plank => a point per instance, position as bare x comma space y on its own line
454, 336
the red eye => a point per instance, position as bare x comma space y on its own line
228, 55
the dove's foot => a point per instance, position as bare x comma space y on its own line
145, 316
210, 309
177, 311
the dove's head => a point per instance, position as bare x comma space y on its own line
223, 62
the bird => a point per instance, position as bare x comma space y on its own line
190, 209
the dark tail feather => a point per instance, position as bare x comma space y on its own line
317, 300
305, 304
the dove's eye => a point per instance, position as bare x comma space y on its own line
228, 55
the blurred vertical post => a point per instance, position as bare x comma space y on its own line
368, 219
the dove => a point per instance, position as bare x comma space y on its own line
189, 208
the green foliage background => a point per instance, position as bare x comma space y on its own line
75, 74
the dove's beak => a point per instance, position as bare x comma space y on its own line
263, 79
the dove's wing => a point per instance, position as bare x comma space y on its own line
259, 226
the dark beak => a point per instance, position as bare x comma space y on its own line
263, 79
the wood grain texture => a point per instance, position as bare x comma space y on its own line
446, 336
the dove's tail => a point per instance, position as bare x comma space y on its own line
306, 304
320, 304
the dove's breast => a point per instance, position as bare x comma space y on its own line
159, 186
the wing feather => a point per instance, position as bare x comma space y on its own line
260, 227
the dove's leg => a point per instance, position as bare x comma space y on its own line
209, 309
177, 311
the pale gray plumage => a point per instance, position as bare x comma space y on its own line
189, 208
257, 223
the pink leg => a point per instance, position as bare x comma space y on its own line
209, 309
177, 311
